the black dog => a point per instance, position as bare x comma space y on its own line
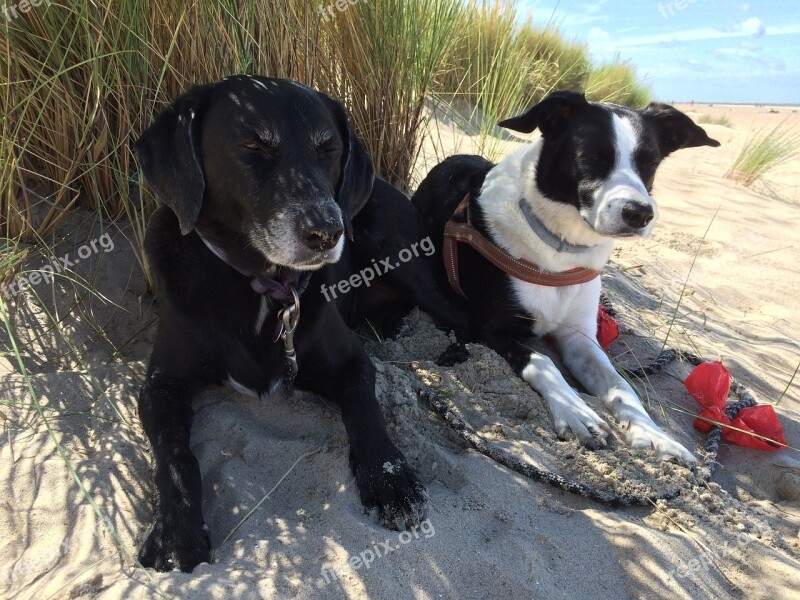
260, 179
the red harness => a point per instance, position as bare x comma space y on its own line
460, 229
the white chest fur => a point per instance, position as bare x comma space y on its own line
571, 307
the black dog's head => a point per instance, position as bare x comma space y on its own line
602, 158
271, 162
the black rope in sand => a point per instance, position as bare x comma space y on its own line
702, 472
468, 434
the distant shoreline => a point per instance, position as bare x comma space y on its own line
765, 104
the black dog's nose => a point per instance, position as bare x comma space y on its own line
320, 234
637, 215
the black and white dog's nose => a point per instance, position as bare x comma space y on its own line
637, 215
320, 234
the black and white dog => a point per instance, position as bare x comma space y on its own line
559, 203
260, 180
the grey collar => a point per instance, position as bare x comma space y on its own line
547, 236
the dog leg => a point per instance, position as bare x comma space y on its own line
344, 374
592, 367
570, 413
421, 289
178, 537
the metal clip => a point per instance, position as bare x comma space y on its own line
288, 318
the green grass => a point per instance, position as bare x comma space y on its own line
709, 120
764, 151
497, 67
80, 81
617, 82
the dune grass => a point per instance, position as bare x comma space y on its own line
80, 81
763, 151
499, 66
710, 120
617, 82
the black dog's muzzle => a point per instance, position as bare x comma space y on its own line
321, 227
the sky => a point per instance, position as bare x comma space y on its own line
701, 50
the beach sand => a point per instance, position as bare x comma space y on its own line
728, 255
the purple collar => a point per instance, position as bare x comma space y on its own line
280, 290
287, 292
277, 289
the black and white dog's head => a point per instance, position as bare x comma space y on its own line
267, 164
602, 158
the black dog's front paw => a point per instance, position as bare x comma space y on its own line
168, 547
393, 489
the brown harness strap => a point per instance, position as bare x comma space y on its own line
460, 229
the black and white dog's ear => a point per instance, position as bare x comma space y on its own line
170, 159
549, 115
358, 174
674, 129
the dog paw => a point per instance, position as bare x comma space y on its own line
169, 547
392, 488
645, 434
577, 419
455, 354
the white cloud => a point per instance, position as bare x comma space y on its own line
748, 28
600, 41
583, 13
696, 65
752, 26
750, 54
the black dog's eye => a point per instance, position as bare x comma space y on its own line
261, 146
327, 147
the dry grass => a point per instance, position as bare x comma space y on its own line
709, 120
79, 82
617, 82
764, 151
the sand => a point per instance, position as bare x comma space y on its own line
491, 533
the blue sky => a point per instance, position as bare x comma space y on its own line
703, 50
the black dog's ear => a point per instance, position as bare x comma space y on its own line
548, 115
358, 174
169, 155
674, 129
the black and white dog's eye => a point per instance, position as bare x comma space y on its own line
598, 158
252, 145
